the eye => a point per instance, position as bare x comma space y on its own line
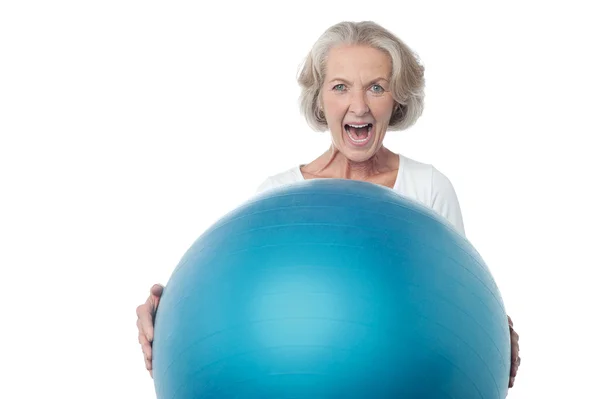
378, 89
339, 87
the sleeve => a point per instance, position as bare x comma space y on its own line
264, 186
445, 201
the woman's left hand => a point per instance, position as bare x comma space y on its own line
515, 359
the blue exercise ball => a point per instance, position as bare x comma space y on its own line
331, 288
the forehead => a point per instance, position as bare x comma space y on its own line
351, 61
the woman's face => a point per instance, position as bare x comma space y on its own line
356, 100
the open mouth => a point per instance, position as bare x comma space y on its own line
359, 134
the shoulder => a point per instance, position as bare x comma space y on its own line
417, 171
430, 186
283, 178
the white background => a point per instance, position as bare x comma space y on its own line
128, 127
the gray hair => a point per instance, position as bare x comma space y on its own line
407, 80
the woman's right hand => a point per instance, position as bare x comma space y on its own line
145, 323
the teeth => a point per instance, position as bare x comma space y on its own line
355, 140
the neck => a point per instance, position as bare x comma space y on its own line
333, 164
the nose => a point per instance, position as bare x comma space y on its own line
358, 105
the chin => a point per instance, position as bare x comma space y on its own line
357, 155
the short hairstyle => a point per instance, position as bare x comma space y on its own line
407, 80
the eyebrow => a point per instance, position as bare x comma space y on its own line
371, 82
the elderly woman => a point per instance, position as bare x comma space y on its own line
359, 81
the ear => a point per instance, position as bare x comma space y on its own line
319, 103
320, 107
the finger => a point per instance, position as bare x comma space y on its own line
144, 343
155, 294
145, 318
146, 347
514, 336
141, 337
156, 290
514, 367
514, 351
510, 322
511, 382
